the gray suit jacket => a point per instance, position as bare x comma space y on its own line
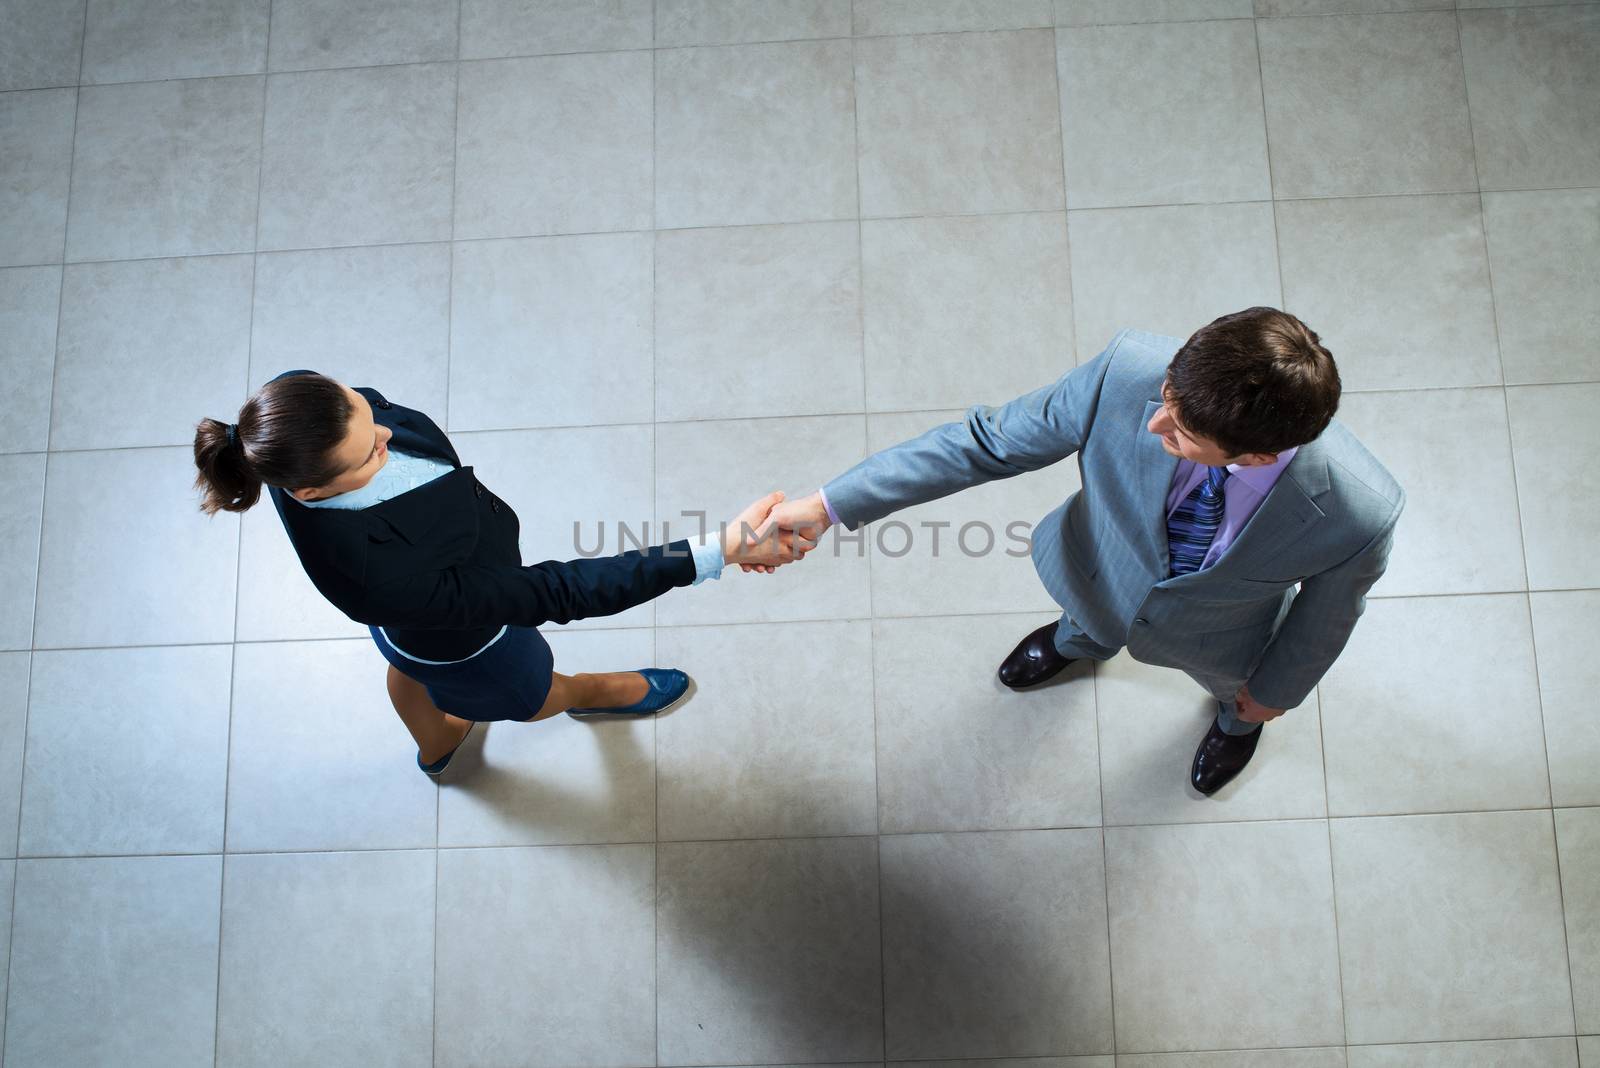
1327, 525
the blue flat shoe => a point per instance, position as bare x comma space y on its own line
443, 762
668, 686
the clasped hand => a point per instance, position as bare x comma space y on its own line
772, 532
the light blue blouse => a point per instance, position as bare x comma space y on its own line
404, 471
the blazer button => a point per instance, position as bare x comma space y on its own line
385, 405
477, 488
1142, 621
494, 506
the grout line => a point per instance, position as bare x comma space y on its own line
11, 921
433, 1006
1333, 875
216, 1011
238, 557
250, 341
655, 505
872, 638
1457, 1041
1466, 100
1544, 734
935, 832
286, 249
1506, 4
1006, 1060
1561, 896
1266, 135
943, 413
1322, 748
753, 622
449, 346
1094, 686
38, 559
1105, 851
974, 31
1066, 217
1351, 1045
450, 280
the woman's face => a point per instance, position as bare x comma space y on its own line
364, 450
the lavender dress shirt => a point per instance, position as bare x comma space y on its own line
1242, 494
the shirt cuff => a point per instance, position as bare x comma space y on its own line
833, 517
707, 558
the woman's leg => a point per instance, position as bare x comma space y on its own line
435, 731
613, 689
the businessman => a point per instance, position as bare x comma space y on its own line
1215, 482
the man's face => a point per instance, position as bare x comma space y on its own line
1179, 442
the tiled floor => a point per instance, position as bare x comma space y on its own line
642, 257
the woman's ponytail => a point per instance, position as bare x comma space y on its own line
225, 477
287, 435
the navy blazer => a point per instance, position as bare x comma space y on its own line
438, 567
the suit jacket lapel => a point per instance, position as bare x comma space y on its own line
1286, 514
1153, 471
412, 515
409, 438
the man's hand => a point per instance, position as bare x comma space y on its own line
1250, 710
754, 541
806, 519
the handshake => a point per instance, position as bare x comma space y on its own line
772, 532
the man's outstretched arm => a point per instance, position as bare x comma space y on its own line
988, 443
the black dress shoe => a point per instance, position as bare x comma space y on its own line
1034, 660
1220, 757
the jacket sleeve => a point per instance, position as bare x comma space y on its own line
554, 591
989, 443
1321, 618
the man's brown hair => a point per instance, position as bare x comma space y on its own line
1258, 380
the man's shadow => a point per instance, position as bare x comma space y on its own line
777, 949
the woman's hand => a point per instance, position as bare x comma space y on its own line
753, 540
806, 517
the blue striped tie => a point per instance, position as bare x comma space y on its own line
1193, 525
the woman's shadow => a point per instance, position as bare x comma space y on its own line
558, 782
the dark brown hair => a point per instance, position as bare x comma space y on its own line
1257, 380
287, 436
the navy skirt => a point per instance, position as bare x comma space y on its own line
508, 679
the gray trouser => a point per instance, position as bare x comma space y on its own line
1072, 642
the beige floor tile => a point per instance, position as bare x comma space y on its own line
1450, 450
1254, 902
958, 751
1425, 897
1564, 625
1434, 707
1151, 721
958, 123
1557, 498
1578, 840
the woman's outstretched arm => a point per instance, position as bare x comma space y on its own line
557, 591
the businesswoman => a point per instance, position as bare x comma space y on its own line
398, 535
